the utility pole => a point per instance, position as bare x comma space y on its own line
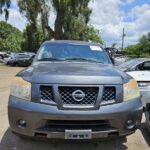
123, 35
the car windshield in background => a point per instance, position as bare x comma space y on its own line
130, 64
72, 52
22, 56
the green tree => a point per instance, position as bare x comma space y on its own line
133, 50
80, 31
4, 6
72, 17
10, 38
66, 11
144, 43
141, 49
32, 40
114, 45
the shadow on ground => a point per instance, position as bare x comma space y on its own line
13, 142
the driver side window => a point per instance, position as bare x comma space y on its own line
144, 66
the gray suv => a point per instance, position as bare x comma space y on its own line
72, 91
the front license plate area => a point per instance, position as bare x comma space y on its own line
78, 134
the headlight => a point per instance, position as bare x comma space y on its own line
144, 84
131, 90
21, 89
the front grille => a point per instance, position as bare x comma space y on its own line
66, 95
46, 93
109, 94
61, 126
91, 94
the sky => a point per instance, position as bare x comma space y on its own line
108, 16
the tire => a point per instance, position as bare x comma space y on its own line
14, 64
147, 116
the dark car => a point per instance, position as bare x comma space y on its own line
72, 91
2, 55
19, 59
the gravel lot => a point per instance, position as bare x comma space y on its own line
8, 141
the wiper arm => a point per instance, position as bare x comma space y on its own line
50, 59
84, 59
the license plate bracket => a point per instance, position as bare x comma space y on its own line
78, 134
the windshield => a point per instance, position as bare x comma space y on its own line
130, 64
23, 56
72, 52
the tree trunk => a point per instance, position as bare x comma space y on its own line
58, 27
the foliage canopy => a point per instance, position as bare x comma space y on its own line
10, 37
71, 22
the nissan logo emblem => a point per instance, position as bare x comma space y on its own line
78, 95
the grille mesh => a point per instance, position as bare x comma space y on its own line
90, 98
46, 93
91, 94
109, 94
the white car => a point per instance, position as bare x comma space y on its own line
140, 70
6, 59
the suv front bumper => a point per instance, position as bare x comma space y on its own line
37, 115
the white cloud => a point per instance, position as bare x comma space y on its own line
141, 23
110, 19
15, 18
130, 1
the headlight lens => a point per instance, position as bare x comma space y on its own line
21, 89
131, 90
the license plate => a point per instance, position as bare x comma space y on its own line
78, 134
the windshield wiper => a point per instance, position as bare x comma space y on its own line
50, 59
83, 59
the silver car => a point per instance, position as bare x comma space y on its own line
139, 69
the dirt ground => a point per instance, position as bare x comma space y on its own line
8, 141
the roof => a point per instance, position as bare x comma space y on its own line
71, 42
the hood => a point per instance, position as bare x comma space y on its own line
140, 75
73, 73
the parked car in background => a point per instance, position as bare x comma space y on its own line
119, 59
139, 69
31, 54
18, 59
1, 58
6, 59
2, 55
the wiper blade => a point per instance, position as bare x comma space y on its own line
83, 59
50, 59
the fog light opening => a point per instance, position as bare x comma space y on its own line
130, 124
22, 123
